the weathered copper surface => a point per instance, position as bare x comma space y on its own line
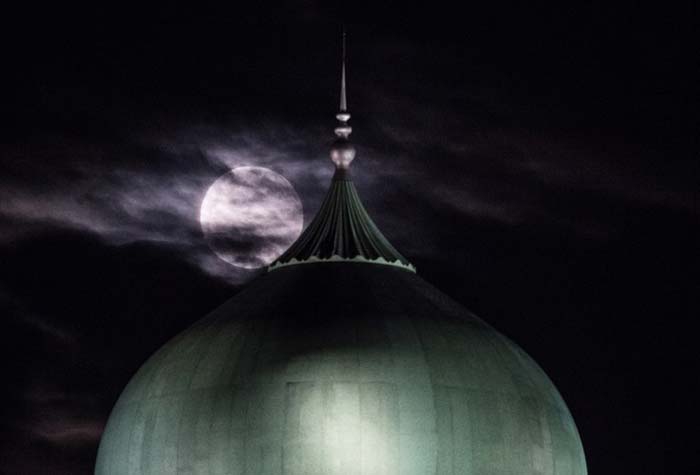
340, 368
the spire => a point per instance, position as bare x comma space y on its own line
342, 230
342, 152
343, 97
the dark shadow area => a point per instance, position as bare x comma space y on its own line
80, 317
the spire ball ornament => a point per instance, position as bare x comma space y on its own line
342, 153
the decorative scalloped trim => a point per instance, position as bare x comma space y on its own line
336, 258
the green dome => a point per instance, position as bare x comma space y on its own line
341, 360
340, 368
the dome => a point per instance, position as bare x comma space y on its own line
340, 359
374, 372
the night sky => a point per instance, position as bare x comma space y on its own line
540, 166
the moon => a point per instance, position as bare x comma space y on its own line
250, 216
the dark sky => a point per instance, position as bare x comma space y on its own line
538, 165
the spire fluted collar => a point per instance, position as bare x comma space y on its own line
342, 230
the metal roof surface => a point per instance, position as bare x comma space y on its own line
341, 368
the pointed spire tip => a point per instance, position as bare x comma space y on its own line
343, 96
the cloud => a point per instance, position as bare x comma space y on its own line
126, 202
64, 418
458, 146
66, 430
483, 161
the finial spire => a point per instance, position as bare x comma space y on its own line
342, 152
342, 231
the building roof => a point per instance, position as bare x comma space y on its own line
341, 368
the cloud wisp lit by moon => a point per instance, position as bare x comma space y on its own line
250, 216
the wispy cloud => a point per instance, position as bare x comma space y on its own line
471, 160
129, 202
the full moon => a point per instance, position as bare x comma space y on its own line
250, 216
